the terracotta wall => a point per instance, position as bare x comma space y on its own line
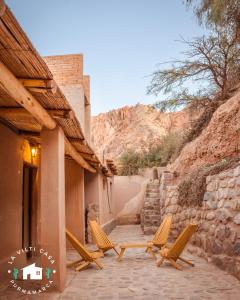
74, 197
67, 71
126, 187
107, 203
99, 195
11, 167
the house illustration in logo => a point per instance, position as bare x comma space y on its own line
34, 272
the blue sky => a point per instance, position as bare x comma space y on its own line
122, 40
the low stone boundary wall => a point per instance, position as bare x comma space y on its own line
218, 237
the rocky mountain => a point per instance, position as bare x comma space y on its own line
138, 127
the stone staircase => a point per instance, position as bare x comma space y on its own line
150, 214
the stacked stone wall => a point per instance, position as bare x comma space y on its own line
218, 236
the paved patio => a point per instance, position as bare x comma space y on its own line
137, 277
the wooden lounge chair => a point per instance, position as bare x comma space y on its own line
159, 240
100, 237
87, 256
173, 253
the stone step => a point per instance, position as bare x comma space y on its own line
151, 206
152, 215
152, 194
153, 186
152, 197
152, 200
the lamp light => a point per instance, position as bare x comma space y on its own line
34, 151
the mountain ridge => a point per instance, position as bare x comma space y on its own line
137, 127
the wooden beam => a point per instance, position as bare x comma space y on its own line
89, 157
9, 125
29, 133
75, 140
21, 95
70, 150
2, 8
18, 92
38, 83
23, 113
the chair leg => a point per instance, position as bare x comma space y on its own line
160, 261
186, 261
81, 266
174, 264
72, 263
115, 250
98, 264
121, 253
150, 251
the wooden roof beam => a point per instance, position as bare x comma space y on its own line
2, 7
22, 96
39, 85
70, 150
75, 140
15, 112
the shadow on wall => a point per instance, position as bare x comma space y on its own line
130, 214
130, 194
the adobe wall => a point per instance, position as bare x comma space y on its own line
11, 166
67, 71
74, 199
218, 237
129, 196
99, 200
107, 210
87, 116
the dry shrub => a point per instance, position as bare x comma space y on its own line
193, 186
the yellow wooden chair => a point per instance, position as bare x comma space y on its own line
173, 253
159, 240
100, 237
87, 256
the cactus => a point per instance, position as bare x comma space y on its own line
48, 273
155, 173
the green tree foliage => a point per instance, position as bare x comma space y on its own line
213, 60
130, 161
220, 13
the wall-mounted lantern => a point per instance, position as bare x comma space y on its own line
34, 153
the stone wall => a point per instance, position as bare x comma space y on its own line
218, 237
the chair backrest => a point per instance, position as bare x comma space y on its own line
85, 254
180, 243
163, 231
99, 236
